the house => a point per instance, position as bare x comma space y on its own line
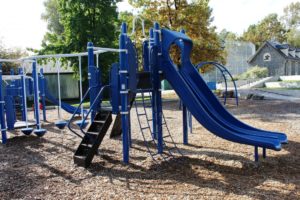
280, 59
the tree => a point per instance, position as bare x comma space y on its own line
291, 20
291, 17
7, 53
194, 17
269, 28
227, 35
73, 23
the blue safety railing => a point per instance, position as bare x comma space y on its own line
91, 106
79, 107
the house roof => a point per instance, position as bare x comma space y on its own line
278, 47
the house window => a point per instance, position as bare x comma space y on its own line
267, 57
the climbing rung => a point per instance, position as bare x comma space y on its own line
99, 121
143, 128
141, 114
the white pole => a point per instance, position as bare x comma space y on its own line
58, 85
25, 95
80, 86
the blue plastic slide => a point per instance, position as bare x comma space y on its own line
64, 106
203, 104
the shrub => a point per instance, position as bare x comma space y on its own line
254, 72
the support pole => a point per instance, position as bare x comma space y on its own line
36, 95
264, 152
185, 125
256, 154
157, 88
80, 86
153, 93
42, 92
124, 93
58, 85
190, 121
2, 117
94, 81
22, 91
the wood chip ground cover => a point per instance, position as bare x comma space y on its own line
210, 168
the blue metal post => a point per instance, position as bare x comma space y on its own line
185, 124
151, 44
124, 93
184, 113
36, 94
157, 89
2, 117
13, 111
94, 80
264, 152
22, 95
256, 154
190, 120
42, 92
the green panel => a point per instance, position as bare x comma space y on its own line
69, 86
165, 85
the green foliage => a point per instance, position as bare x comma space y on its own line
253, 73
225, 35
293, 37
269, 28
291, 19
73, 23
7, 53
194, 17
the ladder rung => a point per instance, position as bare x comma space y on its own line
143, 128
92, 132
99, 121
141, 114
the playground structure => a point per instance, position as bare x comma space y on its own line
126, 81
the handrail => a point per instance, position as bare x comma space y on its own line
79, 106
223, 69
86, 116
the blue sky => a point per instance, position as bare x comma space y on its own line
21, 24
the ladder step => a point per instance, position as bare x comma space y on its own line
92, 133
143, 128
99, 121
142, 114
86, 145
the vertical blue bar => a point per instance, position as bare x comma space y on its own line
256, 154
36, 93
12, 112
264, 152
153, 103
2, 117
22, 95
157, 89
185, 125
124, 93
190, 120
92, 71
42, 91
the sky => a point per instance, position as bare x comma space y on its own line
21, 24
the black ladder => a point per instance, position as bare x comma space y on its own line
92, 139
